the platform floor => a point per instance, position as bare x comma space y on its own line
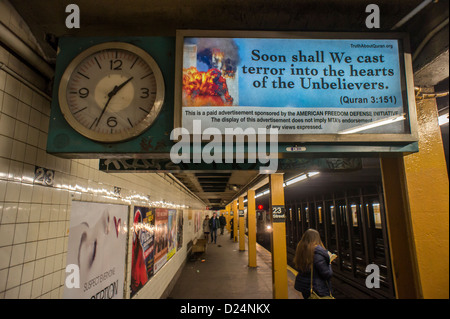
223, 273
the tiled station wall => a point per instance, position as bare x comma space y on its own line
34, 219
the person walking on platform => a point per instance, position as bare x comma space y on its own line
214, 224
223, 222
231, 228
314, 264
206, 228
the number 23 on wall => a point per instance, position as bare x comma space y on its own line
44, 176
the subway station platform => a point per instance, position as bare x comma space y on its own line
222, 272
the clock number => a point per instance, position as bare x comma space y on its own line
144, 93
112, 121
115, 64
83, 92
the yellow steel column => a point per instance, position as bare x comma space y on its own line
241, 224
251, 214
428, 193
398, 220
228, 217
416, 192
279, 253
235, 220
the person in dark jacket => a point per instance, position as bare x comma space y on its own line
310, 251
231, 228
223, 222
214, 225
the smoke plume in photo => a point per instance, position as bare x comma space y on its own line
221, 54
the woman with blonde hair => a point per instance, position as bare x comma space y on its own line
311, 256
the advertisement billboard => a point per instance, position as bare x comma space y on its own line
161, 237
97, 249
308, 86
142, 259
172, 233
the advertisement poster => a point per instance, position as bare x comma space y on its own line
161, 237
196, 221
199, 221
143, 247
298, 86
97, 248
180, 229
172, 227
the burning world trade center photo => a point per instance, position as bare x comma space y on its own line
210, 74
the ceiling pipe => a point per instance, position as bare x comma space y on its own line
187, 190
411, 14
16, 44
21, 79
429, 36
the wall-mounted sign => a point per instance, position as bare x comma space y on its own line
161, 238
44, 176
278, 213
97, 247
329, 87
172, 233
285, 164
142, 257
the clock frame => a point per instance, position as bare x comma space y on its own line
135, 129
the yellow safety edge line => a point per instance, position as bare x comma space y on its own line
292, 270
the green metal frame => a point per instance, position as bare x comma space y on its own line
66, 142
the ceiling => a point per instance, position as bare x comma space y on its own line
327, 183
46, 19
215, 188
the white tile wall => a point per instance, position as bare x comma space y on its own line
34, 219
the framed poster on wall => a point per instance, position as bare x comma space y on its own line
161, 237
311, 87
172, 233
142, 259
180, 221
96, 251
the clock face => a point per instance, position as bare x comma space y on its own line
111, 92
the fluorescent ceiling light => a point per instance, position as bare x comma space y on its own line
289, 182
300, 178
296, 180
370, 125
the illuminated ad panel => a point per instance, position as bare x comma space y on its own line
317, 87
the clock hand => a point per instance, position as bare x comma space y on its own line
110, 95
104, 108
117, 88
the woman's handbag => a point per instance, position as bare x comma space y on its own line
297, 285
313, 295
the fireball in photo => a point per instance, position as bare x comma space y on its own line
205, 88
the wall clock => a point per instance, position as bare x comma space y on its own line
111, 92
